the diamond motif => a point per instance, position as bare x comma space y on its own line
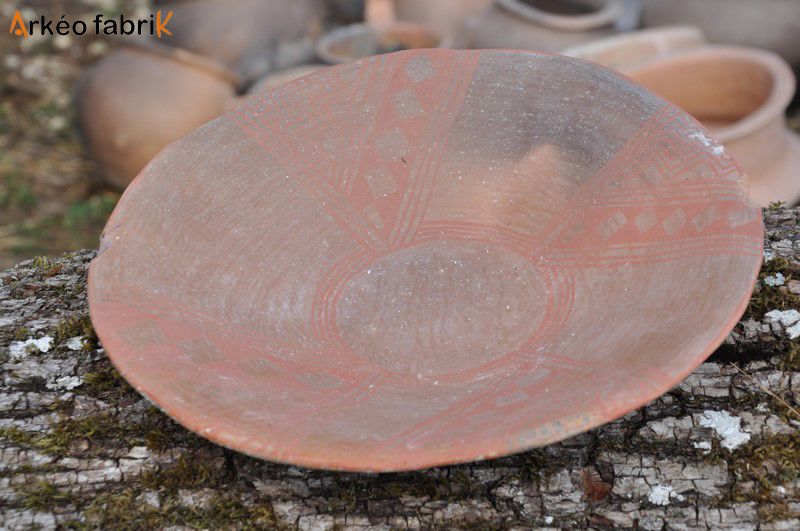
611, 226
742, 217
704, 219
201, 351
674, 222
392, 144
407, 105
142, 334
645, 221
420, 69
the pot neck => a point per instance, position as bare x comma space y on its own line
607, 14
759, 138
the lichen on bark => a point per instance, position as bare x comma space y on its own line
80, 448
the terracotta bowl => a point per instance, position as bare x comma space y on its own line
548, 25
447, 17
631, 49
772, 25
425, 257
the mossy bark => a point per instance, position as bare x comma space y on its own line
80, 448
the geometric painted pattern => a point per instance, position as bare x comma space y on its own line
414, 259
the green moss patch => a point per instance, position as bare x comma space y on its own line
123, 510
773, 463
155, 431
42, 495
77, 325
768, 298
187, 473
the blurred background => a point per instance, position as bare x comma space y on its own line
81, 115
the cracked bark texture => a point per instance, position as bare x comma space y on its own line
80, 448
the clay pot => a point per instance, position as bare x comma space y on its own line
138, 99
770, 24
547, 25
446, 17
423, 258
252, 37
741, 95
356, 41
628, 50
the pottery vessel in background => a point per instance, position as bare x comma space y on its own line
281, 77
445, 16
252, 37
356, 41
770, 24
628, 50
741, 95
546, 25
138, 99
344, 12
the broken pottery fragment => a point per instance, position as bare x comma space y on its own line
425, 257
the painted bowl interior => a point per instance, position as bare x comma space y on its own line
425, 257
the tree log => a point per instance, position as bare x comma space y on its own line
81, 448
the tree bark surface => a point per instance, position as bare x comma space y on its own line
79, 447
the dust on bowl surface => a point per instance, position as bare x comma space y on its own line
426, 257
